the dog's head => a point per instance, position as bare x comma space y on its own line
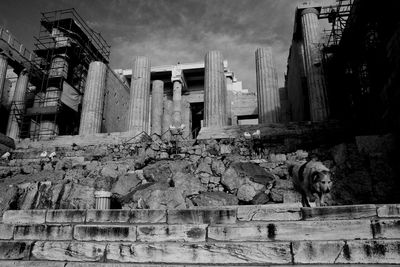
322, 182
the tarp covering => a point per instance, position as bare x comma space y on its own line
70, 96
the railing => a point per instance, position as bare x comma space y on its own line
16, 45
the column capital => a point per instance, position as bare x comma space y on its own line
310, 10
177, 75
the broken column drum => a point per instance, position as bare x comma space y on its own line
157, 107
93, 99
267, 87
214, 91
3, 75
319, 109
139, 95
13, 127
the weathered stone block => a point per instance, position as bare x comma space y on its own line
390, 210
32, 264
354, 252
68, 251
6, 231
294, 230
63, 216
386, 228
105, 233
200, 216
233, 253
270, 212
161, 233
127, 216
11, 250
24, 216
43, 232
312, 252
339, 212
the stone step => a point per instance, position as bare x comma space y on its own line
246, 232
206, 215
85, 264
376, 251
340, 212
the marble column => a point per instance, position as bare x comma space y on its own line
157, 96
139, 95
214, 91
19, 105
166, 119
319, 109
267, 86
3, 76
93, 99
177, 100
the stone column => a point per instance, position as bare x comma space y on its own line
214, 91
177, 100
139, 95
3, 76
19, 105
319, 108
157, 96
267, 91
167, 119
93, 99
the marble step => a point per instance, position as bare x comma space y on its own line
377, 251
85, 264
246, 232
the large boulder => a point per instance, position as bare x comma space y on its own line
125, 184
155, 196
158, 172
207, 199
189, 184
240, 173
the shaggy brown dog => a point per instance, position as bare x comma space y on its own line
313, 180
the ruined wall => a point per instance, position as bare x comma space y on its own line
116, 104
296, 83
159, 175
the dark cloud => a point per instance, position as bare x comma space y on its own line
169, 31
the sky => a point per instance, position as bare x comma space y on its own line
171, 31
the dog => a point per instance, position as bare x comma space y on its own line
313, 180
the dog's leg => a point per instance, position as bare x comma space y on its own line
304, 200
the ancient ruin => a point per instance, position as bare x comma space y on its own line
180, 164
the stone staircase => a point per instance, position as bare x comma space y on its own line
276, 234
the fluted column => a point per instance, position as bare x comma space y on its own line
93, 99
214, 91
139, 95
3, 76
157, 107
167, 118
267, 86
319, 108
177, 100
19, 105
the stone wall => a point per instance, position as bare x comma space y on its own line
116, 104
163, 175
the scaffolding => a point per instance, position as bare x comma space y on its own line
64, 49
